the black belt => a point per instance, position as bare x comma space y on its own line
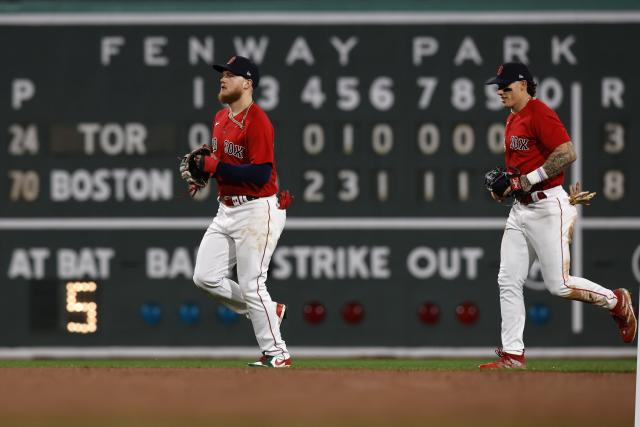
232, 201
528, 198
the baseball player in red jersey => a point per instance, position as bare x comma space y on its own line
250, 218
540, 223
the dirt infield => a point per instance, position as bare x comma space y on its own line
311, 397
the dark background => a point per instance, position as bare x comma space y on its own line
73, 87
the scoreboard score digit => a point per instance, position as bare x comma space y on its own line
365, 124
57, 307
80, 304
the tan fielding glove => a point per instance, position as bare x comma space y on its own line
191, 169
577, 197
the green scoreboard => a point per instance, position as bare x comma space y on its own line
384, 129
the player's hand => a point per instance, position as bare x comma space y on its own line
525, 184
285, 198
199, 160
574, 189
578, 197
499, 198
503, 183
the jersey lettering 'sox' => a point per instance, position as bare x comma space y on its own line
519, 144
234, 150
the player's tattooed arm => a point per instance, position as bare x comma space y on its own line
559, 159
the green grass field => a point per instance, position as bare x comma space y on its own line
540, 365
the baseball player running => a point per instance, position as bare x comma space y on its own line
540, 223
250, 217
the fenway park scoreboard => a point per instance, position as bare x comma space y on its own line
384, 129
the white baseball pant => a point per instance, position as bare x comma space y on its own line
541, 230
244, 236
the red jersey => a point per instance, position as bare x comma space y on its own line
247, 139
530, 135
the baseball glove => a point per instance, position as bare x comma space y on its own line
499, 180
577, 197
192, 169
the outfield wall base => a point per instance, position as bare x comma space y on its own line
306, 352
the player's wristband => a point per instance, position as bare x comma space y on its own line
537, 176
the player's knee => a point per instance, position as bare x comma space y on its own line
198, 277
559, 289
198, 280
510, 280
206, 283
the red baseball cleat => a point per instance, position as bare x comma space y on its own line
506, 361
281, 312
279, 361
624, 316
